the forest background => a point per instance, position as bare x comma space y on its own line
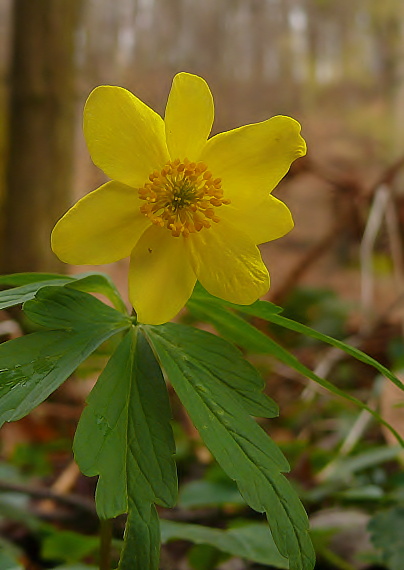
338, 68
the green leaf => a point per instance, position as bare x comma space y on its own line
124, 435
251, 541
99, 283
141, 549
18, 295
16, 507
262, 309
362, 493
205, 557
17, 279
236, 329
33, 366
345, 467
9, 563
198, 494
386, 533
231, 326
352, 351
202, 300
26, 285
64, 308
226, 363
68, 546
205, 371
76, 567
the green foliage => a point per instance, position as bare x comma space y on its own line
205, 371
269, 312
213, 356
348, 349
124, 434
25, 286
345, 467
99, 283
75, 567
319, 308
236, 329
209, 493
33, 459
18, 295
205, 557
19, 279
7, 562
386, 529
68, 546
33, 366
252, 541
56, 545
15, 507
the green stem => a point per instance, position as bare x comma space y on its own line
334, 559
105, 544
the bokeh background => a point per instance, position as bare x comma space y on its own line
337, 66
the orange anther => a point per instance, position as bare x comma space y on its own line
182, 197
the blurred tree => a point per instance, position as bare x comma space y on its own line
387, 27
398, 105
41, 131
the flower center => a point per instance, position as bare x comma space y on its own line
182, 197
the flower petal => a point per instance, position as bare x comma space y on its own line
161, 278
189, 116
262, 221
126, 138
251, 160
100, 228
228, 264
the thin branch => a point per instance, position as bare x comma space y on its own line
316, 251
396, 247
373, 225
320, 248
72, 500
105, 544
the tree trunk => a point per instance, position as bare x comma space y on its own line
41, 127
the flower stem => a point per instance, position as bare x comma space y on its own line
105, 544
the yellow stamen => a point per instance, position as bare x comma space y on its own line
182, 197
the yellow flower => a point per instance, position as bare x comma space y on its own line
182, 206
